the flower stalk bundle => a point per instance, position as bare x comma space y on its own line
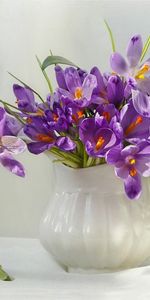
91, 118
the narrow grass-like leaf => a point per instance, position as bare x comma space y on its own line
53, 60
111, 36
145, 48
4, 276
27, 86
45, 75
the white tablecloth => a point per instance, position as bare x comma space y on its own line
37, 276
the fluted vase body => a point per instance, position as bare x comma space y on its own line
91, 225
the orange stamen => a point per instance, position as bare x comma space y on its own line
106, 115
99, 143
29, 120
55, 117
78, 93
133, 172
44, 138
133, 125
80, 114
77, 116
39, 113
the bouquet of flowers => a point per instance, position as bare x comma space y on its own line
89, 119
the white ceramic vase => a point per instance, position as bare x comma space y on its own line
91, 225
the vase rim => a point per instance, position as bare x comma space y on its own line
86, 169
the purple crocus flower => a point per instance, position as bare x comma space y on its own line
78, 93
97, 136
12, 126
44, 138
108, 111
60, 76
135, 126
115, 90
130, 163
141, 103
25, 98
99, 94
136, 76
111, 91
59, 117
10, 145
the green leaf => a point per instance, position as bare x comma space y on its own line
4, 276
145, 48
45, 75
53, 60
111, 36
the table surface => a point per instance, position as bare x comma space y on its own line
38, 277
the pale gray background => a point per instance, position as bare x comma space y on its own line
71, 28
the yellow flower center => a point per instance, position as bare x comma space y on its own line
141, 73
99, 143
132, 161
78, 93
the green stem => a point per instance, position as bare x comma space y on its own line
14, 114
111, 36
45, 75
64, 159
8, 104
90, 161
85, 158
145, 49
68, 155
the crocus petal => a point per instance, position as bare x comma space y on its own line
21, 92
2, 120
113, 155
12, 126
131, 83
60, 77
133, 187
144, 148
72, 79
11, 164
122, 172
144, 85
100, 121
88, 86
13, 144
134, 50
143, 165
117, 129
25, 98
115, 89
83, 102
129, 150
128, 117
100, 82
97, 99
118, 63
39, 147
86, 129
141, 103
65, 143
